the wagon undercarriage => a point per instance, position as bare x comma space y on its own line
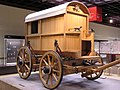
52, 65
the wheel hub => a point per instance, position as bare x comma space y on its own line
21, 62
47, 70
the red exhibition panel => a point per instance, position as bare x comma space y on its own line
95, 14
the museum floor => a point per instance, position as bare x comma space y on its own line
69, 82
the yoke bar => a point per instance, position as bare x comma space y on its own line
108, 65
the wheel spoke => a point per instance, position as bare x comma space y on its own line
19, 57
54, 77
54, 64
47, 79
26, 62
45, 62
43, 80
48, 57
27, 67
43, 74
42, 67
22, 51
20, 69
22, 56
51, 80
57, 71
23, 70
25, 56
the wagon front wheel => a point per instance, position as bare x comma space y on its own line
24, 62
50, 69
96, 74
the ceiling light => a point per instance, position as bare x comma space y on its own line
111, 20
106, 14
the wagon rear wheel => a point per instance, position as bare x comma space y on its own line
50, 69
97, 74
24, 62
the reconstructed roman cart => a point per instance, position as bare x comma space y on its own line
59, 42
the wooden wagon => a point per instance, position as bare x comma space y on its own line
59, 42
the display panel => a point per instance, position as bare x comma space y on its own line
11, 46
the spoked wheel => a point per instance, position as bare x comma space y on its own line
50, 69
24, 62
97, 74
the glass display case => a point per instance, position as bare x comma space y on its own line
11, 46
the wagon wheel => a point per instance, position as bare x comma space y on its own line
96, 74
50, 69
24, 62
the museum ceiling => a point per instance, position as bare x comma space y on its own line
110, 8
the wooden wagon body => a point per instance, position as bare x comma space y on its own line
59, 23
59, 42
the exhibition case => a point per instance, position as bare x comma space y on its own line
11, 45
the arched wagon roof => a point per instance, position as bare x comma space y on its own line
57, 10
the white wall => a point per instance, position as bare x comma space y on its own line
11, 22
103, 32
